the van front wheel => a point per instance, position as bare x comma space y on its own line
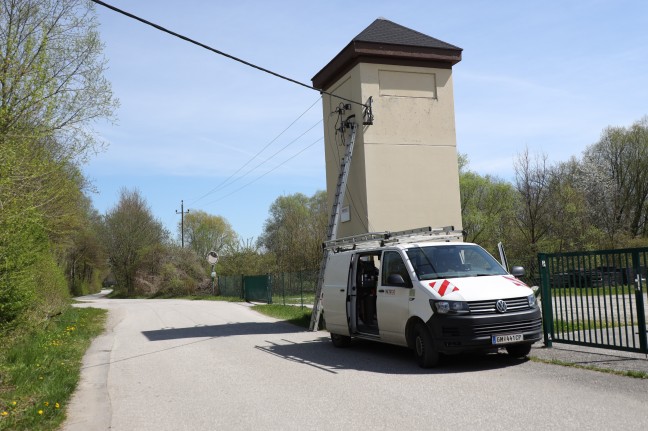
426, 355
340, 340
518, 350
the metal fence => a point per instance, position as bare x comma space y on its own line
286, 288
595, 298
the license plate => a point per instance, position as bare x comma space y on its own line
505, 339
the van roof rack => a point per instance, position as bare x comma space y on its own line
380, 239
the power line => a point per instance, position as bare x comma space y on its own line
279, 151
273, 155
209, 48
227, 181
271, 170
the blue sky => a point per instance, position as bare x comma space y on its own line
548, 76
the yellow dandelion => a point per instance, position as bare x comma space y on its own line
57, 405
40, 412
46, 403
4, 414
13, 403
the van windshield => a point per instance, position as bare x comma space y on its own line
452, 261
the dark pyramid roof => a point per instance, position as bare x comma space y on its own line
386, 42
388, 32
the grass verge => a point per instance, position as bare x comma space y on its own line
627, 373
39, 372
292, 314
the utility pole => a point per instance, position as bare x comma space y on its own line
182, 213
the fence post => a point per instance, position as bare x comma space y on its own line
641, 317
301, 288
545, 298
242, 286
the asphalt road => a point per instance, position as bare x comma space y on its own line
204, 365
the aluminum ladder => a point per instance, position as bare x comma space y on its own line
331, 233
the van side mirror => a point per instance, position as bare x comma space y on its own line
517, 271
396, 280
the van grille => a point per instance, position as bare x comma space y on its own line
508, 327
488, 306
499, 328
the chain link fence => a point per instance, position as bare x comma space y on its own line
286, 288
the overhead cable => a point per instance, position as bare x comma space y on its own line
277, 152
266, 173
209, 48
227, 181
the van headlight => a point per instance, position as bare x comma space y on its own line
532, 301
449, 307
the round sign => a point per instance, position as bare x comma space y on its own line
212, 257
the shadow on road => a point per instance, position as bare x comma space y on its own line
320, 353
225, 330
379, 358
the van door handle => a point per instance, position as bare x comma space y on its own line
342, 290
381, 290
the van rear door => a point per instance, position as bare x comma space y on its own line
335, 298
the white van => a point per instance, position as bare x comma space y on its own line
430, 292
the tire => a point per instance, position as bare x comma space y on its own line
518, 350
426, 355
340, 340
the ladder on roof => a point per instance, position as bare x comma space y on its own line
380, 239
331, 233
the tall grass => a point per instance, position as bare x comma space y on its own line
40, 370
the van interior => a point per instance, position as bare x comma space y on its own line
363, 308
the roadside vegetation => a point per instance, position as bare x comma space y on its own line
54, 245
299, 316
41, 368
626, 373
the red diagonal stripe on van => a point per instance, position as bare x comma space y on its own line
515, 281
443, 286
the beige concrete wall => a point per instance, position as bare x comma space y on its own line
404, 170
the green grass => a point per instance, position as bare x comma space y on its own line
40, 371
627, 373
216, 298
308, 298
586, 325
593, 291
292, 314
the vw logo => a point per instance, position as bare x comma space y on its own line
501, 306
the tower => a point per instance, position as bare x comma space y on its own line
404, 171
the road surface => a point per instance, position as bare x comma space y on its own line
206, 365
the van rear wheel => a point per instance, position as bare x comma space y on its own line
340, 340
426, 355
518, 350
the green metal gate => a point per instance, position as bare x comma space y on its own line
257, 288
595, 298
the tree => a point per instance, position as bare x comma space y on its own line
487, 204
294, 231
85, 257
571, 228
205, 232
51, 88
131, 235
245, 258
615, 178
51, 74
